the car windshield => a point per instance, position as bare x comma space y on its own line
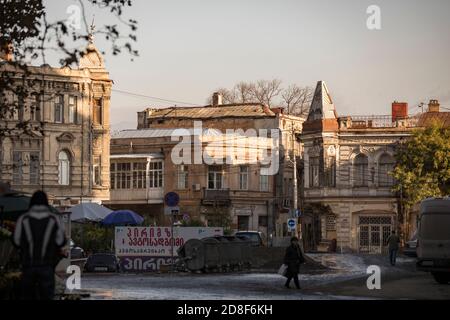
253, 236
103, 259
435, 226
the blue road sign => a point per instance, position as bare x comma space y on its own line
291, 223
171, 199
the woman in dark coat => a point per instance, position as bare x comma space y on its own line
293, 258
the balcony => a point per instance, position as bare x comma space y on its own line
220, 197
155, 195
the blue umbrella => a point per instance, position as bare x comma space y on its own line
123, 217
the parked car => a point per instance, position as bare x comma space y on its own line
256, 237
75, 251
410, 248
433, 246
102, 262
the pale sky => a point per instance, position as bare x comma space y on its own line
189, 48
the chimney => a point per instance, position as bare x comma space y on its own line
399, 110
6, 49
217, 99
433, 106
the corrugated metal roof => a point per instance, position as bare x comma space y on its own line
161, 133
427, 118
222, 111
155, 155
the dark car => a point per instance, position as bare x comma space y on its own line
256, 237
102, 262
75, 251
410, 248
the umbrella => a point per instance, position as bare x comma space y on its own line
123, 217
12, 205
89, 212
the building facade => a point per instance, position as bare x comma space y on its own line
347, 181
232, 189
67, 155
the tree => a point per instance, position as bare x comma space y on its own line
423, 165
294, 99
297, 100
265, 91
27, 35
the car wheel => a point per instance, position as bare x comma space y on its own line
441, 277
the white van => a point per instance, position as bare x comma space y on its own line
433, 242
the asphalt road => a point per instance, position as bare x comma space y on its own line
345, 279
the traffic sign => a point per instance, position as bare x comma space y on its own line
171, 199
292, 224
171, 211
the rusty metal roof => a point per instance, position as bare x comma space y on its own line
427, 118
249, 110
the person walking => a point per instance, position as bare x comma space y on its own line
39, 237
293, 258
393, 242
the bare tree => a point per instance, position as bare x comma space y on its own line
297, 100
294, 99
229, 96
243, 92
265, 91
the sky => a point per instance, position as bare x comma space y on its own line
189, 48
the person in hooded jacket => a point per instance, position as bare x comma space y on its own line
39, 238
293, 258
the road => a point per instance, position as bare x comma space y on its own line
345, 279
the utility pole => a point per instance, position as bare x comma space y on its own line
295, 198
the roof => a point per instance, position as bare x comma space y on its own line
154, 155
161, 133
251, 110
427, 118
322, 106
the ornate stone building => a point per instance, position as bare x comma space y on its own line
347, 161
68, 157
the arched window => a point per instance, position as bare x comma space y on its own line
63, 168
385, 166
360, 173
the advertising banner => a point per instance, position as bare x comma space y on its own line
157, 241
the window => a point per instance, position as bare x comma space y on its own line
72, 109
182, 176
36, 108
17, 167
156, 174
263, 221
263, 183
98, 111
112, 175
361, 173
385, 166
97, 171
59, 109
139, 177
63, 168
331, 172
243, 222
215, 177
34, 167
21, 108
314, 170
243, 178
123, 176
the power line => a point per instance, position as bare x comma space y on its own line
153, 98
